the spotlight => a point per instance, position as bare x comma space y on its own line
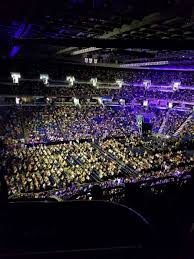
15, 77
86, 60
90, 60
95, 60
44, 78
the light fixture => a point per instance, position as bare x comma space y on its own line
119, 82
176, 85
71, 80
17, 100
76, 101
145, 103
170, 105
146, 83
94, 81
44, 78
15, 77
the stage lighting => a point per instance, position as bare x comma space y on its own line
170, 105
70, 79
100, 100
94, 81
44, 78
95, 60
15, 77
17, 100
146, 83
86, 60
145, 103
176, 85
90, 60
119, 83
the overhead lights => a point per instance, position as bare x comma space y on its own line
90, 60
145, 103
176, 85
44, 78
119, 82
170, 105
156, 63
76, 101
94, 81
17, 100
82, 51
70, 80
15, 77
146, 83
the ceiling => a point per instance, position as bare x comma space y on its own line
50, 28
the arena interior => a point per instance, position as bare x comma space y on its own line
97, 102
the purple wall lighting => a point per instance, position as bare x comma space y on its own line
22, 30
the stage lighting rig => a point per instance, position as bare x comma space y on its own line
15, 77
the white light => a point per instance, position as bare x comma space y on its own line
122, 101
76, 101
95, 60
70, 79
90, 60
175, 85
86, 60
48, 99
15, 77
119, 83
82, 51
94, 81
145, 103
170, 105
44, 78
100, 100
145, 64
17, 100
146, 83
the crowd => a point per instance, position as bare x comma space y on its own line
174, 121
68, 166
68, 148
51, 124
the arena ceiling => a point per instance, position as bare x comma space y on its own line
62, 32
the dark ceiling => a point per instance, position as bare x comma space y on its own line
47, 28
